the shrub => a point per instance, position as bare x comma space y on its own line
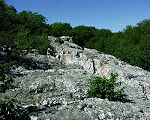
59, 40
40, 43
7, 108
104, 88
5, 81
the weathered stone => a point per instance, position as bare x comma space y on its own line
66, 38
52, 38
33, 118
72, 45
59, 92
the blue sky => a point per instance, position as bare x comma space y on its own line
102, 14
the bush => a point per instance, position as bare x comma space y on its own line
7, 108
59, 40
40, 43
5, 81
104, 88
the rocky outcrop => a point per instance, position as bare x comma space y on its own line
56, 89
101, 64
66, 38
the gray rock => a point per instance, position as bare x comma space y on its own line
52, 38
66, 38
60, 91
103, 65
72, 45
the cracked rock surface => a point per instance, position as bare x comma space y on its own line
54, 87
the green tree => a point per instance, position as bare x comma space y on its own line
40, 43
7, 16
99, 39
19, 29
82, 34
33, 21
60, 29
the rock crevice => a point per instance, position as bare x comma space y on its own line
57, 87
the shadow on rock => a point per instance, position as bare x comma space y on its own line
128, 101
31, 64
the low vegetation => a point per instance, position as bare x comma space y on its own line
105, 88
7, 107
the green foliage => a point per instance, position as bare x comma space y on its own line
104, 88
40, 43
60, 29
20, 30
7, 108
132, 45
98, 41
6, 82
82, 34
32, 101
27, 30
7, 16
44, 45
59, 40
33, 21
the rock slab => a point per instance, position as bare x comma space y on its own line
56, 89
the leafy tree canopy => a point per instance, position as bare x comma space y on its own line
60, 29
25, 30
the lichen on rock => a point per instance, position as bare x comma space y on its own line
58, 85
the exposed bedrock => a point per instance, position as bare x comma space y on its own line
54, 86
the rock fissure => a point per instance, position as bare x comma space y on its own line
57, 84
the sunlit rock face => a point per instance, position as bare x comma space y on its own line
54, 86
66, 38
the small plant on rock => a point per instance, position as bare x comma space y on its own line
32, 101
7, 107
104, 88
6, 82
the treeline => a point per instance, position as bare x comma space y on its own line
131, 45
27, 30
22, 31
